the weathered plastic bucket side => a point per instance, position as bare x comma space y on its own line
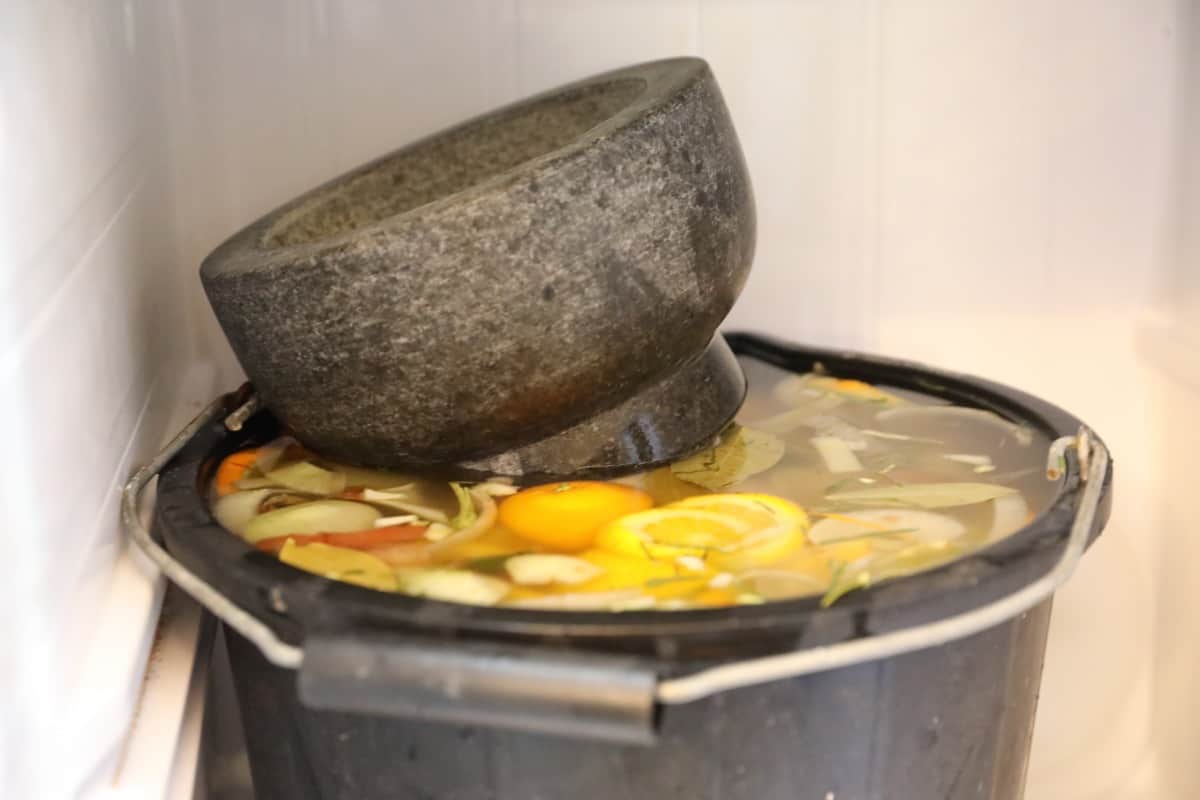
950, 722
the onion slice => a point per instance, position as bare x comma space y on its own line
1010, 515
270, 453
399, 502
235, 511
541, 569
305, 476
837, 454
453, 585
485, 511
318, 516
925, 526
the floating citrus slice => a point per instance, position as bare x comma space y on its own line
728, 531
567, 515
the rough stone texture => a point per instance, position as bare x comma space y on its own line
502, 281
664, 422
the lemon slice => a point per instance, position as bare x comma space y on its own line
659, 579
778, 527
668, 533
729, 531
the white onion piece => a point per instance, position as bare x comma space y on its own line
437, 531
836, 454
970, 459
926, 526
1011, 512
541, 569
404, 519
454, 585
825, 425
399, 502
691, 563
485, 508
898, 437
305, 476
398, 489
318, 516
496, 488
234, 511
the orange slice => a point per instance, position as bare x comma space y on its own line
729, 531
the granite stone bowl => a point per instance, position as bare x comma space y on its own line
504, 280
661, 423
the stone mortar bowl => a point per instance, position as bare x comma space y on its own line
504, 280
659, 424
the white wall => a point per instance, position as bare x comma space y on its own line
90, 350
986, 185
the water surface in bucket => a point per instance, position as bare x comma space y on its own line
821, 486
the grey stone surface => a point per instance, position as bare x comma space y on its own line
664, 422
501, 281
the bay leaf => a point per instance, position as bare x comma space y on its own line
740, 453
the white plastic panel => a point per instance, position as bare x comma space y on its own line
91, 350
1182, 300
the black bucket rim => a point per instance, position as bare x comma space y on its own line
294, 603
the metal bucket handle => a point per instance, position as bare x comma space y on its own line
581, 695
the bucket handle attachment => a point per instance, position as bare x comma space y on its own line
275, 650
587, 696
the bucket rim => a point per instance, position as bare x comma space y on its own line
296, 604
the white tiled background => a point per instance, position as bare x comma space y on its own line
998, 186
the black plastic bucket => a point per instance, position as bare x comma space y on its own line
917, 688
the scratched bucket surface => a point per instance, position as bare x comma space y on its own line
950, 722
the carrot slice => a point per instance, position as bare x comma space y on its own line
357, 540
233, 468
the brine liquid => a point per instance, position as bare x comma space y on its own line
821, 487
